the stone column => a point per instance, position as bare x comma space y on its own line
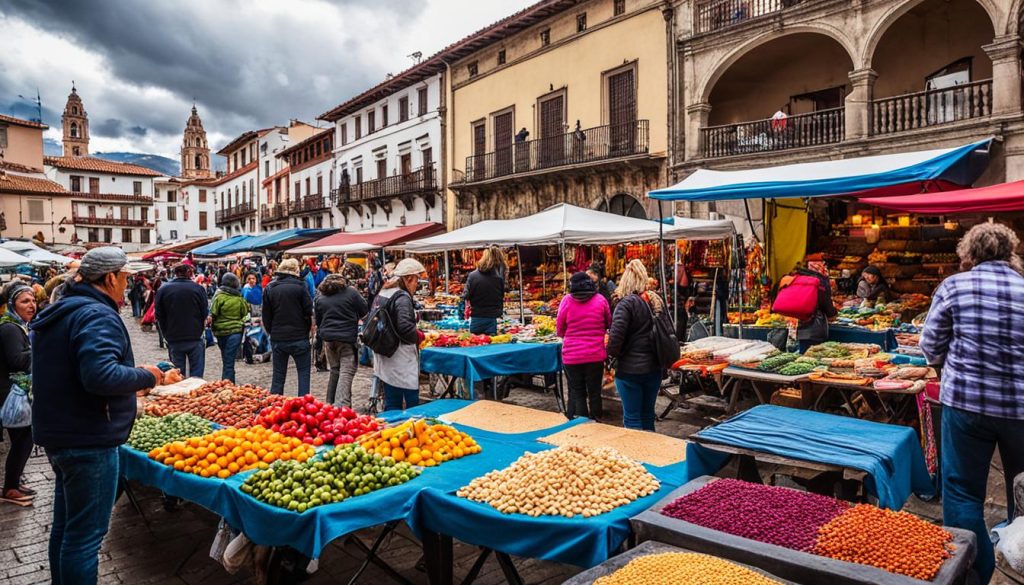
858, 103
696, 118
1006, 75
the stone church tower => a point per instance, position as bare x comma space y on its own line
195, 154
76, 126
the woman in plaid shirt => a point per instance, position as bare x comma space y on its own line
975, 331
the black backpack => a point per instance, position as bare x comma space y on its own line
663, 338
378, 332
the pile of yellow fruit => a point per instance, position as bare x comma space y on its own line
421, 443
228, 451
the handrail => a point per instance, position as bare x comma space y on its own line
767, 135
711, 15
931, 107
421, 180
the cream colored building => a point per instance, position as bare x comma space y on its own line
31, 206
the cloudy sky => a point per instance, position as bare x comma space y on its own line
138, 64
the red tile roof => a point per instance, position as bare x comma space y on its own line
18, 184
243, 137
99, 165
19, 168
20, 122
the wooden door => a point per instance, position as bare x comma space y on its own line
504, 130
552, 131
622, 111
479, 150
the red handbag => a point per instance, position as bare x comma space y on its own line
798, 298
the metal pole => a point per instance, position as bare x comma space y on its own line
661, 249
446, 271
519, 262
565, 271
675, 288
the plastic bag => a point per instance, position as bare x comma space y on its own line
1010, 545
210, 341
16, 412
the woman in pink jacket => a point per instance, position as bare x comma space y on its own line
583, 318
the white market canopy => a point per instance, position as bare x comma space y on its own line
34, 252
569, 224
9, 258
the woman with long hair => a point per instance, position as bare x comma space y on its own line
637, 373
485, 292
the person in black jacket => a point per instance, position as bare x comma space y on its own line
637, 373
485, 292
337, 310
181, 310
288, 320
16, 357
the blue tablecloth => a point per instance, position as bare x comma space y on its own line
886, 338
487, 361
439, 408
890, 454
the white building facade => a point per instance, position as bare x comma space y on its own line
387, 149
184, 210
310, 165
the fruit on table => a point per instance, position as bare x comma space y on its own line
898, 542
227, 451
567, 481
776, 362
316, 423
345, 471
151, 432
689, 568
421, 443
775, 515
220, 402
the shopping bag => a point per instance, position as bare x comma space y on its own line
16, 412
210, 341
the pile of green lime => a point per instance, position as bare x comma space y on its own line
151, 432
345, 471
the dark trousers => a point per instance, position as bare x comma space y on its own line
584, 382
229, 345
639, 393
483, 325
17, 456
300, 351
136, 307
86, 487
394, 397
968, 440
192, 352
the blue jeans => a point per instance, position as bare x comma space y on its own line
638, 392
192, 351
136, 307
483, 325
86, 487
301, 352
229, 345
395, 396
968, 440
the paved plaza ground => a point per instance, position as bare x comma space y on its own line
173, 547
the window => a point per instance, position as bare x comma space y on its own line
305, 223
126, 235
309, 191
236, 162
581, 22
384, 116
202, 220
319, 185
94, 184
174, 234
298, 191
266, 169
382, 168
252, 190
428, 157
245, 153
403, 108
76, 183
74, 110
421, 101
172, 196
252, 225
93, 235
3, 136
344, 134
405, 164
619, 7
359, 175
74, 130
501, 57
76, 151
108, 235
145, 214
318, 221
474, 69
35, 211
137, 188
172, 213
545, 37
359, 128
371, 122
202, 195
144, 236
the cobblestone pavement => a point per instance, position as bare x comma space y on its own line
172, 547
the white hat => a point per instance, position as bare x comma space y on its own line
409, 267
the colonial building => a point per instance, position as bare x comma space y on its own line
773, 82
565, 101
31, 206
75, 123
387, 143
195, 153
308, 166
185, 205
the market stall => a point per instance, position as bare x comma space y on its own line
343, 242
34, 252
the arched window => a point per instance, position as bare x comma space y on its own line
74, 130
199, 161
623, 204
74, 110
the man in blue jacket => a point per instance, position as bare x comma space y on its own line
84, 381
181, 310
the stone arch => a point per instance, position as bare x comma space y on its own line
883, 24
74, 130
623, 204
723, 65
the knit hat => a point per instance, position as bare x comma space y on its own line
230, 280
289, 267
102, 261
409, 267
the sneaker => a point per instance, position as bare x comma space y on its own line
16, 497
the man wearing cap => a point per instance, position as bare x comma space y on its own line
181, 310
400, 373
288, 319
84, 381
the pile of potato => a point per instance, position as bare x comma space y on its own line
567, 481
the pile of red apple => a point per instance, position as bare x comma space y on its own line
316, 423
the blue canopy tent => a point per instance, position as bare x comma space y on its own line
217, 248
280, 239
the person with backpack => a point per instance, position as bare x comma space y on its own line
583, 318
395, 312
337, 310
639, 370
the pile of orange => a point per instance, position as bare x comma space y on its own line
228, 451
421, 443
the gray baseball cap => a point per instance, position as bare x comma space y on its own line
100, 261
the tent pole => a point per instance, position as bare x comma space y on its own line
675, 287
519, 262
446, 271
565, 271
661, 250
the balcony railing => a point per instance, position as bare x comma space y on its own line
931, 108
422, 180
235, 212
276, 212
115, 221
572, 148
711, 15
111, 197
816, 128
308, 204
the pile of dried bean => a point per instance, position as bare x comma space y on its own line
688, 568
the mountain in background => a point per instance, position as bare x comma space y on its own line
160, 164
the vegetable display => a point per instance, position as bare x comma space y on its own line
797, 368
421, 443
344, 472
226, 452
220, 402
689, 568
314, 422
566, 481
776, 362
151, 432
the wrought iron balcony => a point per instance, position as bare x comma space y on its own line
276, 212
308, 204
712, 15
235, 212
597, 144
802, 130
419, 182
931, 108
110, 221
144, 199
